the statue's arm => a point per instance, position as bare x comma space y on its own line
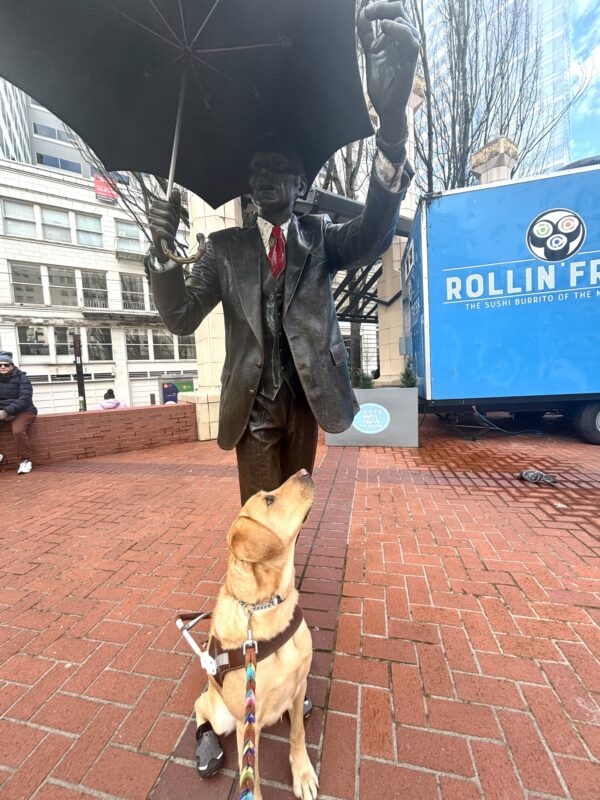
391, 47
183, 302
364, 239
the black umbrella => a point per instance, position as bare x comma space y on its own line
121, 72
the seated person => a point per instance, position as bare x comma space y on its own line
16, 408
109, 403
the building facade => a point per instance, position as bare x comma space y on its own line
70, 263
555, 28
14, 123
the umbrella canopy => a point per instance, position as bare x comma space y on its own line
112, 70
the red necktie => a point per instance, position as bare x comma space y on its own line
277, 252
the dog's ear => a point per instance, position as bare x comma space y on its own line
251, 541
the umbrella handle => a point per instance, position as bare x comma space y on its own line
189, 259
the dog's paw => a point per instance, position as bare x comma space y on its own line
305, 780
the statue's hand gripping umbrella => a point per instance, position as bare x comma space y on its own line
188, 88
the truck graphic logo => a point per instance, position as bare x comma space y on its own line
555, 234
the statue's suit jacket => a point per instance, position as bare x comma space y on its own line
230, 272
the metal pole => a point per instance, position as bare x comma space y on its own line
177, 134
79, 371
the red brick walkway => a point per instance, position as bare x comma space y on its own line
454, 611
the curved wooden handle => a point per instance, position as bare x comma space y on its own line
189, 259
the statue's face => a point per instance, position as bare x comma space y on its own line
273, 187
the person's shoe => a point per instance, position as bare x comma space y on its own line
24, 467
1, 457
209, 753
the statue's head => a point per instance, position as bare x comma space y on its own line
277, 177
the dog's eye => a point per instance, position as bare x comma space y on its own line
269, 499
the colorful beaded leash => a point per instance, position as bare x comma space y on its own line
249, 751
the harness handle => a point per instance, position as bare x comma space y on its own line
185, 622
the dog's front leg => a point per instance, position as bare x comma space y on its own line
212, 718
305, 778
241, 727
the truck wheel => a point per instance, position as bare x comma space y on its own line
587, 422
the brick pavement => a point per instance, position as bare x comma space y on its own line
454, 612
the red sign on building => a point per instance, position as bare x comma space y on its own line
105, 189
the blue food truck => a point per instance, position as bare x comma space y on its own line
501, 300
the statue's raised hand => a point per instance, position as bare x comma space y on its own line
391, 44
163, 219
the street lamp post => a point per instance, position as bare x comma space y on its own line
79, 371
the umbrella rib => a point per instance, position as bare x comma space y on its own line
161, 15
239, 47
217, 70
183, 28
167, 64
205, 95
201, 28
146, 28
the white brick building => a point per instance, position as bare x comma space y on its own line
71, 263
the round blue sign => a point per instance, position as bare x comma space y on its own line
371, 418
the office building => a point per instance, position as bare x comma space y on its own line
72, 263
14, 124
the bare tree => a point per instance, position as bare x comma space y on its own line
136, 194
481, 63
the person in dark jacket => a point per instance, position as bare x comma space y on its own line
286, 365
16, 408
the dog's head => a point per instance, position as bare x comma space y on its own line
262, 539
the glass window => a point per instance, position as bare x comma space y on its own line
62, 286
186, 345
89, 230
44, 130
163, 345
95, 294
59, 163
62, 136
27, 284
132, 292
19, 219
136, 340
55, 225
99, 344
128, 236
48, 161
71, 166
63, 339
33, 340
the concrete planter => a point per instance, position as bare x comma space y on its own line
388, 417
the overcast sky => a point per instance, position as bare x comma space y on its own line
585, 51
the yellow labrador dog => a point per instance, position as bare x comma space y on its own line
261, 580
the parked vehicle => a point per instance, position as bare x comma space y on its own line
501, 298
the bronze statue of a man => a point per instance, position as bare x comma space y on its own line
286, 368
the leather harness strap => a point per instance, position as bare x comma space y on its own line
227, 660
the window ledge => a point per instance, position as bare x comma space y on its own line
127, 255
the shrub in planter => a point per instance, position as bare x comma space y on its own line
408, 378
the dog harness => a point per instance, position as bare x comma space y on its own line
216, 660
227, 660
